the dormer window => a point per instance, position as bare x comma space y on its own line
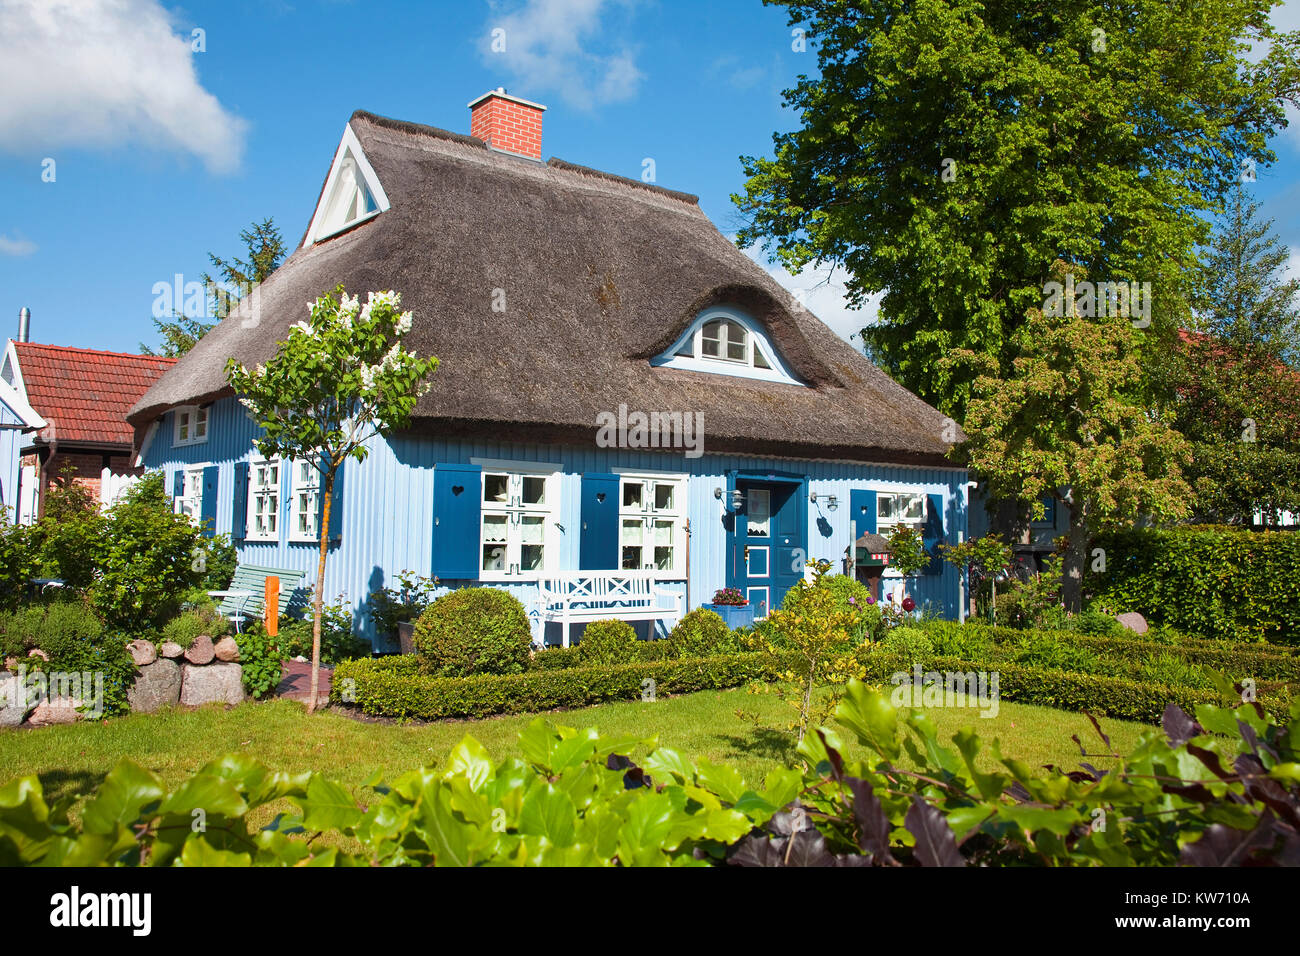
352, 192
726, 342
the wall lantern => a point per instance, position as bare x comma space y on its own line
832, 502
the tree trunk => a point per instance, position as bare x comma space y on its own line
1076, 555
318, 599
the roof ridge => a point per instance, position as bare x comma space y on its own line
78, 348
437, 132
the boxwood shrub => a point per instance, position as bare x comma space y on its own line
607, 642
701, 633
473, 631
395, 687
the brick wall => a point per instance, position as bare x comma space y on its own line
85, 469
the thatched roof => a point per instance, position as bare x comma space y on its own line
600, 274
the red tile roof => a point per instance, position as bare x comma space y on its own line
86, 393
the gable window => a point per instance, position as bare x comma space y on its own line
191, 425
517, 533
727, 342
906, 509
263, 501
190, 501
305, 502
352, 192
651, 519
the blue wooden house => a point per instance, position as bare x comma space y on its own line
621, 392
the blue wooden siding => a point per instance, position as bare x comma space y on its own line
11, 445
387, 522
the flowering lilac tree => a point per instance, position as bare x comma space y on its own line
340, 378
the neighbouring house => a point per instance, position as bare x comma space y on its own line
567, 306
64, 412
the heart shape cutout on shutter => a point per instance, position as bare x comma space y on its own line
600, 497
457, 489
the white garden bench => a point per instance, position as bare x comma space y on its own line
579, 597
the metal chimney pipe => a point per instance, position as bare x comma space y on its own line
24, 324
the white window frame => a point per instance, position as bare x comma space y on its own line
757, 342
255, 492
349, 159
190, 502
195, 417
312, 487
514, 510
649, 514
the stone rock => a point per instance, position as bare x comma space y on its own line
37, 652
1134, 621
13, 700
226, 649
158, 685
171, 649
213, 684
55, 710
201, 651
142, 652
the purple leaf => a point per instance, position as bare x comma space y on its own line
935, 844
873, 825
1179, 727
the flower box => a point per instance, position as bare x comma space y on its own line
736, 615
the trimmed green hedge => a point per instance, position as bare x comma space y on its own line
563, 658
1221, 582
1066, 690
394, 687
1261, 661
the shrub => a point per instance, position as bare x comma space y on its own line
701, 633
185, 628
260, 658
1222, 582
1095, 621
564, 658
909, 643
1050, 651
1174, 671
850, 596
607, 642
18, 561
390, 606
395, 687
474, 631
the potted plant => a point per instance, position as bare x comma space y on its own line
907, 556
730, 605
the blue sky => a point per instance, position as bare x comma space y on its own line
162, 154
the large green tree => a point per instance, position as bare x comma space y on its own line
1071, 421
235, 278
337, 380
949, 151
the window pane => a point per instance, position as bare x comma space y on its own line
496, 488
759, 510
534, 490
632, 559
632, 532
494, 528
531, 557
663, 533
633, 494
736, 351
532, 529
759, 360
665, 495
663, 559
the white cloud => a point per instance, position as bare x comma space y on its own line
564, 47
103, 73
821, 291
16, 246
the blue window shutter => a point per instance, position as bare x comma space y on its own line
336, 506
932, 536
598, 543
208, 504
239, 504
456, 493
862, 511
178, 483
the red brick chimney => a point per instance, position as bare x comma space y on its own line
508, 123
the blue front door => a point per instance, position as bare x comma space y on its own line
768, 540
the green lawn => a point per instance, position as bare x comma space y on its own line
73, 759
